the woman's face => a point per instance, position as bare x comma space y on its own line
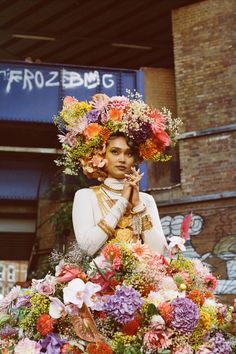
119, 157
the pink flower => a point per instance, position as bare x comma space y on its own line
141, 251
10, 297
154, 340
77, 292
210, 282
116, 264
119, 102
45, 286
27, 346
69, 139
167, 283
100, 101
67, 272
68, 101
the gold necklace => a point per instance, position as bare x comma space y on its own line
118, 191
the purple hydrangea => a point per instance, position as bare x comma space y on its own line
93, 116
185, 315
51, 344
123, 304
219, 344
141, 134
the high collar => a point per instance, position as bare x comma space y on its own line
114, 183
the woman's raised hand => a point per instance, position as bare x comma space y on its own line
132, 184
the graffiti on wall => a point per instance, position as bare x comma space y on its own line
224, 249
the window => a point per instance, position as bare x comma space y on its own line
1, 272
11, 273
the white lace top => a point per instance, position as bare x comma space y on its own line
86, 214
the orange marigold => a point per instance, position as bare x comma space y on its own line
92, 130
166, 312
196, 296
44, 324
99, 348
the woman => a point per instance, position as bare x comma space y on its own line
97, 138
117, 208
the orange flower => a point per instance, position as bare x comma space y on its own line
115, 115
166, 312
99, 348
92, 130
105, 134
209, 295
197, 297
44, 324
111, 252
147, 149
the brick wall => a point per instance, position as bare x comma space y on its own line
204, 63
208, 164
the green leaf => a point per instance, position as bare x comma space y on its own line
4, 317
152, 310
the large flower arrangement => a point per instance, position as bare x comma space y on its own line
126, 300
86, 126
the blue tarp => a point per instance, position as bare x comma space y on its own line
33, 93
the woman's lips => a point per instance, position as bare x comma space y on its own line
121, 168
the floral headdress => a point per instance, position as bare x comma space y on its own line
87, 126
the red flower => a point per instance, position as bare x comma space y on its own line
131, 328
99, 348
44, 324
162, 140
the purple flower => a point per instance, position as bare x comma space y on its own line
51, 344
23, 301
219, 344
93, 116
8, 332
185, 315
123, 304
140, 134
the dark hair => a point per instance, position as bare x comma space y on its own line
130, 142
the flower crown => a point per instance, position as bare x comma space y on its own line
87, 126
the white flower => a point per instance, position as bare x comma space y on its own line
77, 292
56, 308
177, 244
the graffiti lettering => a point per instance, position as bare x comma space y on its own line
36, 79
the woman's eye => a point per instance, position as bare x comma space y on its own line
115, 152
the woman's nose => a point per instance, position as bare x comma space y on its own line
122, 157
